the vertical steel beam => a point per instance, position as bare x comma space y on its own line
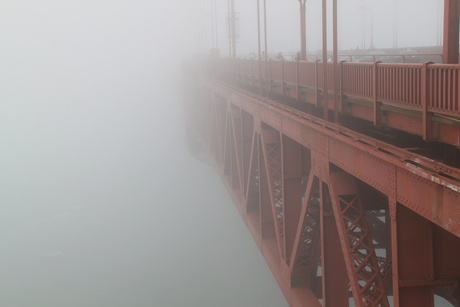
258, 46
446, 255
335, 278
253, 177
237, 173
304, 256
377, 104
228, 148
335, 60
267, 223
266, 51
392, 205
273, 157
325, 89
292, 182
233, 21
229, 25
247, 125
451, 32
303, 30
427, 123
415, 259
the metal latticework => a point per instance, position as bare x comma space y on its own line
253, 186
272, 155
356, 239
374, 224
306, 256
237, 145
228, 148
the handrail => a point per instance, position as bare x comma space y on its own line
388, 58
396, 83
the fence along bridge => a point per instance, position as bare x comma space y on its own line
346, 174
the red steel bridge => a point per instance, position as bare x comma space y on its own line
347, 174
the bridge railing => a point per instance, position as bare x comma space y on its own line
308, 73
358, 79
289, 72
443, 82
433, 87
399, 83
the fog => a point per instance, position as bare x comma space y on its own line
100, 202
403, 24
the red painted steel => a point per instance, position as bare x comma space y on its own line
303, 30
451, 31
330, 208
429, 91
336, 214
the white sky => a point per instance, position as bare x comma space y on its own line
100, 202
418, 23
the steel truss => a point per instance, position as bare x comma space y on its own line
336, 215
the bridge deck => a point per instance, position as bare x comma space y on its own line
421, 99
336, 213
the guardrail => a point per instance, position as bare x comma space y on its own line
426, 86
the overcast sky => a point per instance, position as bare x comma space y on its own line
410, 22
100, 202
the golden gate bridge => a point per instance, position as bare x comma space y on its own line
346, 173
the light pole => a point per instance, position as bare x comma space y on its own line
303, 25
395, 24
231, 29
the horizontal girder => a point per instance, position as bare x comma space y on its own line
337, 215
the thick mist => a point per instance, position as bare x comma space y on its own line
100, 202
361, 24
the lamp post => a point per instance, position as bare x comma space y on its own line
303, 35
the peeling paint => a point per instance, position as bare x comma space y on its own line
433, 178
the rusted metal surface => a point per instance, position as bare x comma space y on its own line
336, 214
329, 207
424, 93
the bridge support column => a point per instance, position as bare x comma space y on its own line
357, 242
415, 259
335, 278
451, 32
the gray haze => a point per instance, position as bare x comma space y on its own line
410, 23
100, 202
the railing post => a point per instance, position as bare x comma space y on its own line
270, 75
282, 78
252, 72
316, 84
235, 70
341, 86
297, 80
426, 116
377, 104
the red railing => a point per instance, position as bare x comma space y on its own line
400, 84
429, 87
307, 73
276, 69
290, 72
358, 79
443, 83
